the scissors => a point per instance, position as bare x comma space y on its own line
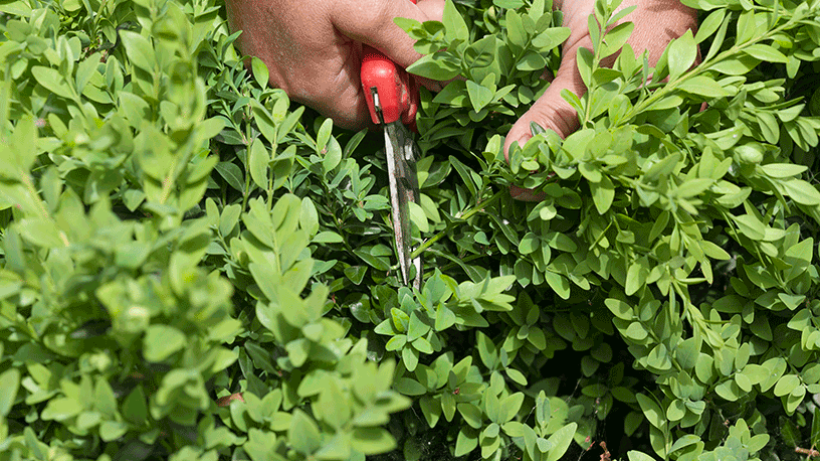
393, 99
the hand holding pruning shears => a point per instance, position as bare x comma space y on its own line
392, 99
313, 48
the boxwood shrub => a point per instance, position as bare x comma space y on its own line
192, 267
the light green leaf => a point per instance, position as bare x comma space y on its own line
558, 283
472, 414
454, 25
652, 411
560, 441
783, 170
801, 192
638, 456
703, 86
418, 217
10, 383
303, 433
260, 72
139, 50
161, 341
551, 38
603, 193
433, 67
766, 53
258, 163
53, 81
60, 409
480, 95
42, 232
466, 441
681, 55
786, 385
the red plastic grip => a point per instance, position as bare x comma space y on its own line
398, 91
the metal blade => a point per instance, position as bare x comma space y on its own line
401, 152
408, 182
398, 202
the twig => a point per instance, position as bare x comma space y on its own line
810, 452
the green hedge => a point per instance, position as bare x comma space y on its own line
175, 233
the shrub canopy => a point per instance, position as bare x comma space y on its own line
175, 232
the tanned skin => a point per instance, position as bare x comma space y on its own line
313, 51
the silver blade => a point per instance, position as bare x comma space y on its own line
398, 202
408, 183
401, 152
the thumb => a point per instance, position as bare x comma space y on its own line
551, 111
371, 23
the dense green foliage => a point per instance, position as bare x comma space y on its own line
175, 232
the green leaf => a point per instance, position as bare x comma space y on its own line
258, 159
53, 81
304, 434
801, 192
486, 350
231, 173
61, 409
681, 54
652, 411
603, 194
418, 217
434, 67
621, 309
786, 384
766, 53
750, 226
112, 430
466, 442
551, 38
558, 283
139, 49
702, 86
42, 232
260, 72
636, 276
104, 400
454, 25
161, 341
10, 383
638, 456
134, 407
560, 441
328, 237
372, 440
445, 318
783, 170
531, 61
378, 263
480, 95
409, 386
616, 38
710, 25
472, 414
529, 243
510, 406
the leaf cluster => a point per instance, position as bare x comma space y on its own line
194, 268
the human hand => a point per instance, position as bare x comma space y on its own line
657, 22
313, 48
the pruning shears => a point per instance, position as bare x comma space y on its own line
393, 99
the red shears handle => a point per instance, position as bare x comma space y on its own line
398, 91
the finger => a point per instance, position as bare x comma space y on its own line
335, 90
371, 22
551, 111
